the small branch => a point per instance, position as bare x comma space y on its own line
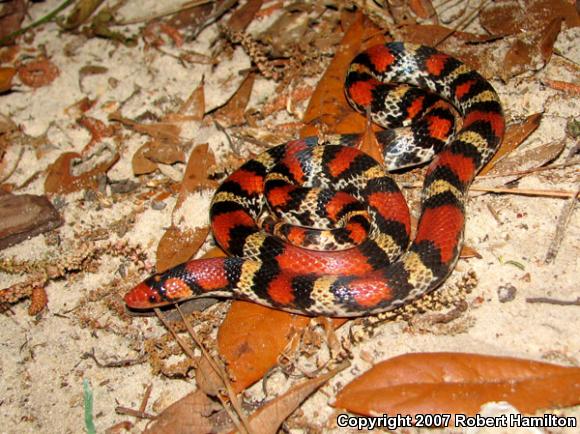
529, 171
553, 301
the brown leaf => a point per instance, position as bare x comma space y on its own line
178, 246
207, 379
242, 17
469, 252
164, 152
368, 143
232, 113
140, 163
6, 75
195, 104
328, 105
510, 17
60, 180
549, 35
252, 337
38, 300
196, 175
268, 418
530, 158
13, 13
188, 415
515, 134
459, 383
423, 9
162, 131
24, 216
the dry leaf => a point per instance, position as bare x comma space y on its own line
509, 17
423, 9
196, 175
207, 379
469, 252
252, 337
459, 383
60, 180
38, 300
328, 105
6, 75
530, 158
178, 246
515, 134
268, 418
368, 143
242, 17
232, 113
13, 13
188, 415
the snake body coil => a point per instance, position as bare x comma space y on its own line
373, 267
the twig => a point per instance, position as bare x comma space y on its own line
145, 399
518, 191
115, 364
223, 376
135, 413
563, 222
528, 171
462, 24
43, 20
553, 301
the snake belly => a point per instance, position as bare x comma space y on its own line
380, 269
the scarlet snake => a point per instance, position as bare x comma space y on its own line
381, 271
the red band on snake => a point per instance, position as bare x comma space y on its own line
349, 201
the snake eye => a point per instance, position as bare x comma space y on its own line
153, 298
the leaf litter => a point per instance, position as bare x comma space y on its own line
216, 83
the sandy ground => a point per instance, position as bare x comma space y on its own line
44, 363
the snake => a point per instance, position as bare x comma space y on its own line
318, 227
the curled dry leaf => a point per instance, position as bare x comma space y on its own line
514, 136
191, 414
60, 179
38, 73
268, 418
459, 383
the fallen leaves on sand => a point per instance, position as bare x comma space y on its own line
459, 383
514, 136
180, 243
251, 339
60, 178
269, 417
191, 414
